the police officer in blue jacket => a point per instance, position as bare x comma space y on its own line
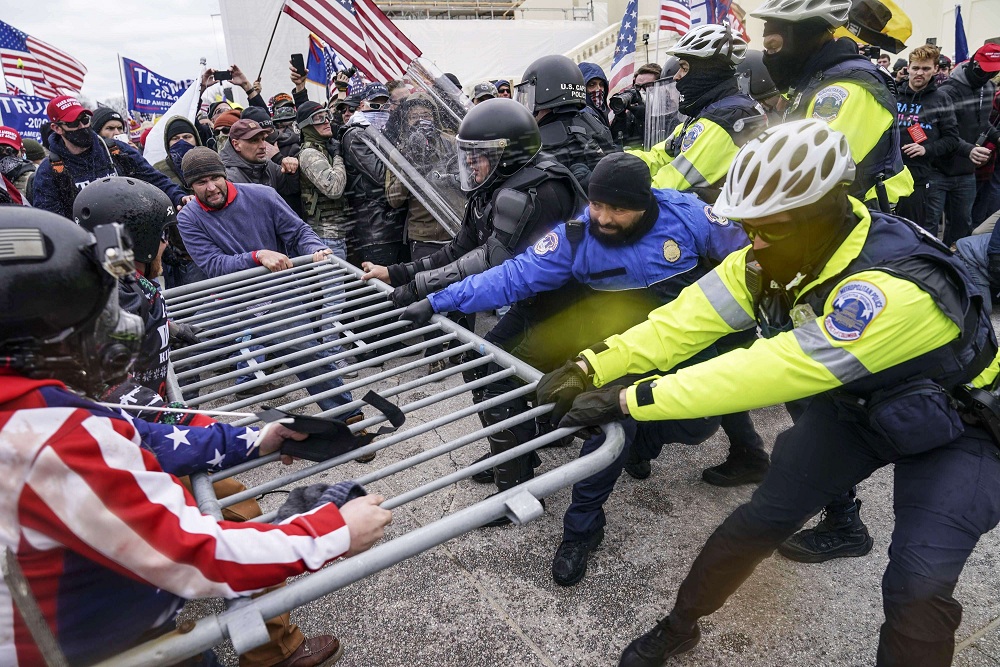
633, 249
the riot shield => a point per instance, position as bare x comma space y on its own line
418, 143
662, 114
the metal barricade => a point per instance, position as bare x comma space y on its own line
305, 318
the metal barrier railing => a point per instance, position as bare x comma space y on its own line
305, 318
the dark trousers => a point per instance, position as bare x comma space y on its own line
960, 193
944, 500
585, 515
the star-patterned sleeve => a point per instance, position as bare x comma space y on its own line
182, 450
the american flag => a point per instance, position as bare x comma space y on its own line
675, 16
362, 33
623, 63
22, 55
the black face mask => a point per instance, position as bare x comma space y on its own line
785, 68
976, 76
81, 137
702, 78
824, 226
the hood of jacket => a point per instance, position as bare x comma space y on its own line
194, 131
593, 71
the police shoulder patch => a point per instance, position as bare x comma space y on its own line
692, 135
546, 244
712, 216
828, 102
671, 251
855, 305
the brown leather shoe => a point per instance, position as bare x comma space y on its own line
367, 458
321, 651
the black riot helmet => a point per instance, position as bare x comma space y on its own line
753, 77
496, 138
142, 209
59, 312
551, 82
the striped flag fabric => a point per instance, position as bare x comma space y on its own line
362, 33
675, 16
39, 62
623, 64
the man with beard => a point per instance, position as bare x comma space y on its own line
876, 337
720, 117
78, 155
634, 249
827, 80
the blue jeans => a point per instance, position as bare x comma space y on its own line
959, 193
324, 385
585, 515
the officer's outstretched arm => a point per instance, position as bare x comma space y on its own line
718, 304
871, 322
545, 266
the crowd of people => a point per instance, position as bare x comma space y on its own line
735, 229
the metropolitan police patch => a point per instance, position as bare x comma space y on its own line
692, 135
854, 307
712, 216
546, 244
828, 102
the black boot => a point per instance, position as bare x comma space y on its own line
637, 468
660, 643
570, 562
742, 466
835, 536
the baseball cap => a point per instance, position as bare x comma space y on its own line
260, 115
64, 109
483, 89
10, 137
988, 57
247, 129
373, 90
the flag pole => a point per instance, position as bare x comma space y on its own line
268, 49
121, 77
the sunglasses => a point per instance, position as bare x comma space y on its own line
774, 233
83, 120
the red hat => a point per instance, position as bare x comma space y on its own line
10, 137
988, 57
65, 109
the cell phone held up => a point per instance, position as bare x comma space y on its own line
299, 64
222, 75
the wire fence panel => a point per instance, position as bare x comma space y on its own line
314, 339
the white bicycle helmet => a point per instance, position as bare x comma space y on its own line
786, 167
833, 12
709, 40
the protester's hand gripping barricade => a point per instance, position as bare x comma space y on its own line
281, 312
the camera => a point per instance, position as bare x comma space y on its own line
870, 52
625, 99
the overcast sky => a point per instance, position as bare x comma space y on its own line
168, 36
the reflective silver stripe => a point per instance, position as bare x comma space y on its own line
724, 302
689, 172
842, 364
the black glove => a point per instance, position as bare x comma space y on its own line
418, 313
994, 270
561, 386
404, 295
591, 408
182, 335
